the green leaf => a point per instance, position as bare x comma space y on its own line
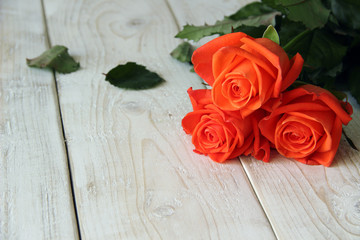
323, 55
133, 76
57, 58
324, 50
347, 12
275, 4
225, 26
319, 48
183, 52
312, 13
251, 10
255, 32
351, 72
288, 29
299, 43
271, 34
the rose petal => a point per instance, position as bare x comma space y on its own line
278, 58
267, 126
326, 119
236, 55
296, 66
199, 98
297, 137
191, 119
335, 105
326, 158
202, 57
261, 148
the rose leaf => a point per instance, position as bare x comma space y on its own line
251, 10
288, 29
225, 26
253, 15
255, 32
133, 76
56, 58
183, 52
347, 12
196, 33
319, 48
324, 50
312, 13
271, 34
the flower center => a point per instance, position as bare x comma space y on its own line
296, 136
237, 88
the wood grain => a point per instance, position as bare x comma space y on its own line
35, 200
199, 12
135, 175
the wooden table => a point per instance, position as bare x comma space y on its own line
81, 158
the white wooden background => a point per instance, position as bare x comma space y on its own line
81, 159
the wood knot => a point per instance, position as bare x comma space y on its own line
164, 211
133, 108
136, 22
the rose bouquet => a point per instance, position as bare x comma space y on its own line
250, 108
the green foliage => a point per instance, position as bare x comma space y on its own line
271, 34
254, 15
288, 29
133, 76
325, 32
255, 32
56, 58
251, 10
312, 13
319, 49
183, 52
347, 12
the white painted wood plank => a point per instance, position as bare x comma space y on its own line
199, 12
135, 175
35, 193
302, 202
312, 202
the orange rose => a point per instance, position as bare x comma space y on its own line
245, 72
307, 125
221, 134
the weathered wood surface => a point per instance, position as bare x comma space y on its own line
312, 202
301, 202
35, 193
133, 170
135, 175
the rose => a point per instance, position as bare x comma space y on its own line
307, 125
222, 134
245, 72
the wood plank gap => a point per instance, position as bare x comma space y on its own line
49, 45
244, 169
350, 141
258, 198
172, 14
